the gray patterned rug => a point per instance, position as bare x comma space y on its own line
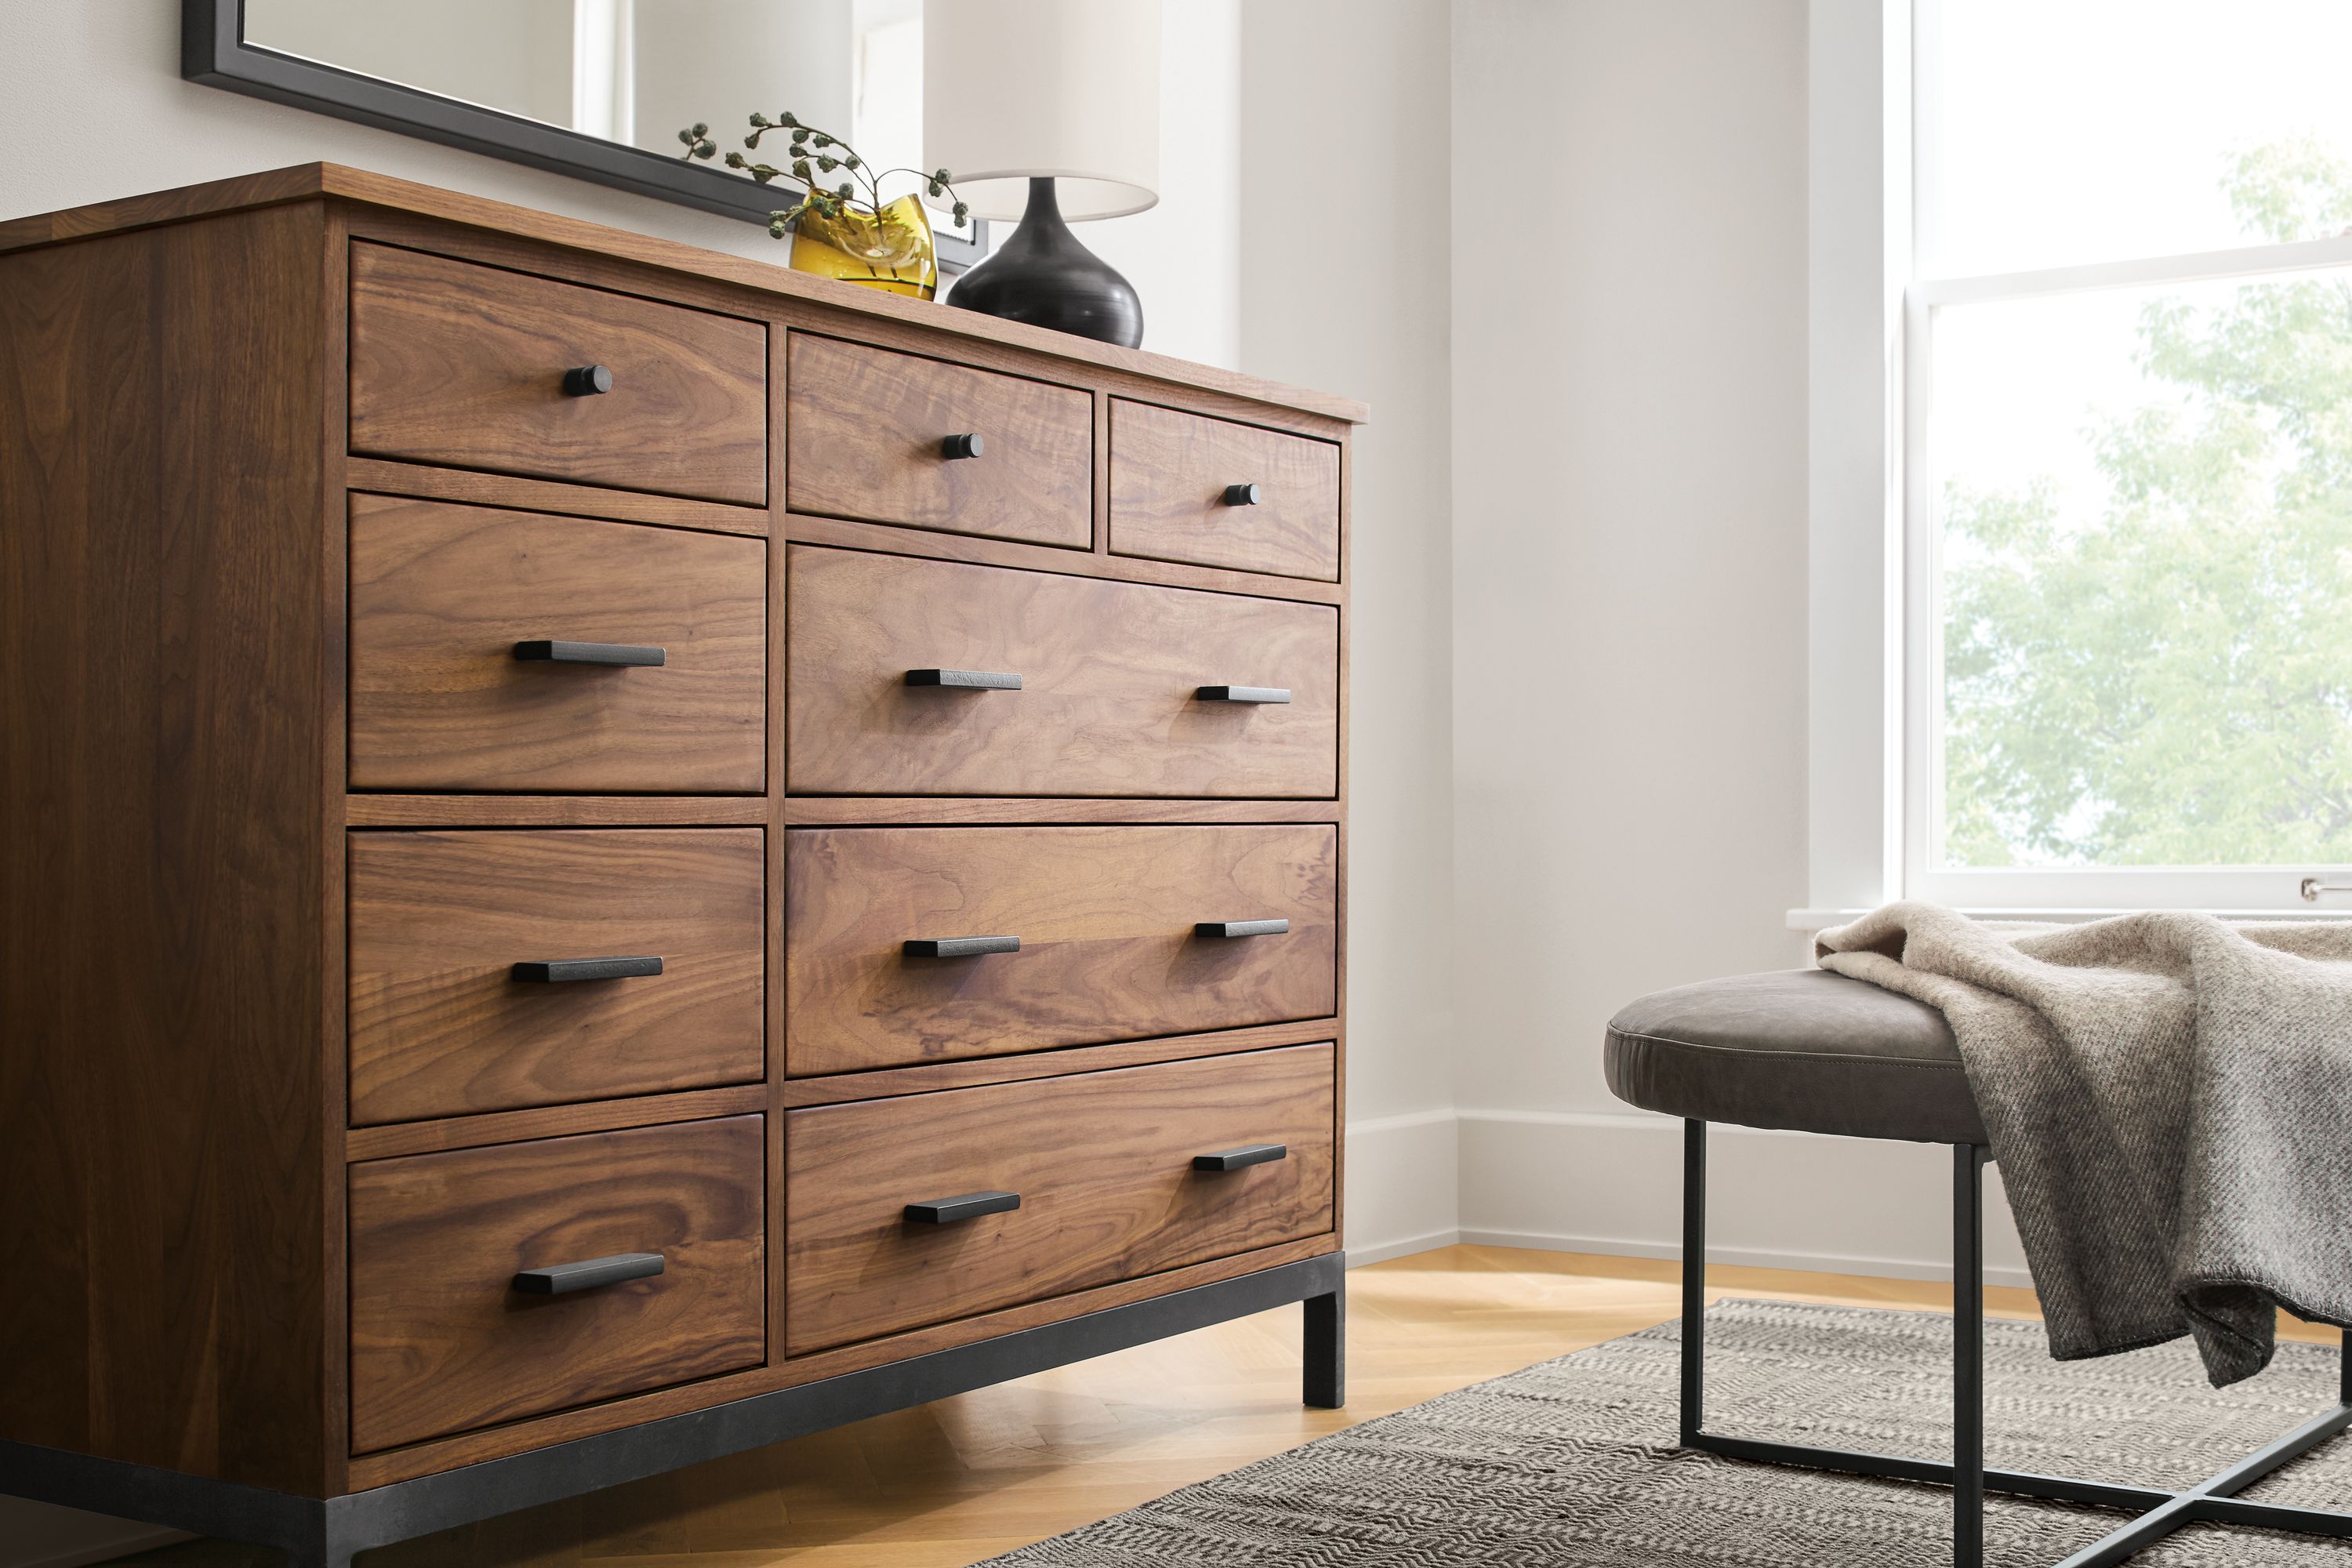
1573, 1464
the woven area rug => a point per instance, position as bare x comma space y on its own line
1573, 1464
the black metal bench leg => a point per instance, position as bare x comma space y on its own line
1693, 1330
1967, 1355
1325, 1385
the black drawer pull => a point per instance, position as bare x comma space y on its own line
1247, 1154
1242, 928
587, 381
954, 446
554, 971
1240, 495
972, 1206
621, 653
959, 946
565, 1278
966, 680
1243, 694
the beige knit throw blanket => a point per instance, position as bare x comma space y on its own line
2170, 1100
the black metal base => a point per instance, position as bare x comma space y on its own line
315, 1532
2160, 1511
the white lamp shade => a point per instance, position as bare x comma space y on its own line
1018, 90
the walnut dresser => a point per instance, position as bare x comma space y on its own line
613, 852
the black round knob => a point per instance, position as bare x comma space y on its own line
587, 380
1240, 495
961, 447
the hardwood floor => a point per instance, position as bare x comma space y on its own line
947, 1484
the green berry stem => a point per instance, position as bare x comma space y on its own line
816, 153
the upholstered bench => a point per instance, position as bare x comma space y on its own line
1810, 1051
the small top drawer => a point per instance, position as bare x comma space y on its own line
1213, 493
1122, 688
869, 432
469, 366
447, 603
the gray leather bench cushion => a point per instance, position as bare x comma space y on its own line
1801, 1049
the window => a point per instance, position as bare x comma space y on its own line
2128, 454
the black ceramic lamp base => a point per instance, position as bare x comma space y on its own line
1045, 277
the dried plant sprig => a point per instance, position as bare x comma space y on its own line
814, 154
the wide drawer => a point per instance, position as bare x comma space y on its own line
1184, 487
1102, 1162
446, 1337
466, 365
1117, 684
445, 601
866, 432
1109, 921
443, 1023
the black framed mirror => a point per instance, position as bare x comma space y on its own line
594, 89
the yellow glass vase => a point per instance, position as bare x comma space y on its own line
891, 250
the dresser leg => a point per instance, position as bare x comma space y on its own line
1326, 1382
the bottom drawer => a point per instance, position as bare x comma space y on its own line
447, 1336
1104, 1167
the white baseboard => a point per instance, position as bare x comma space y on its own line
1613, 1182
1401, 1184
1402, 1247
1811, 1262
1610, 1183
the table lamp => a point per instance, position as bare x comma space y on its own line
1048, 111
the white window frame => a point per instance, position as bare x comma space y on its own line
1875, 661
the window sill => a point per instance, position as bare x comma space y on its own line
1810, 920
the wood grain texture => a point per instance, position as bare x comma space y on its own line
838, 304
440, 594
1109, 674
490, 1443
1102, 1162
986, 810
1106, 919
863, 426
164, 1229
464, 366
839, 1089
888, 541
1169, 471
554, 811
383, 476
439, 1027
551, 1122
440, 1340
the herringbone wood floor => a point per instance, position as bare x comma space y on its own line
944, 1485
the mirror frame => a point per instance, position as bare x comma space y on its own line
214, 51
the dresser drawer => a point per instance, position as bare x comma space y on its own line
1181, 489
446, 1338
1102, 1166
443, 597
442, 1023
1111, 700
466, 365
864, 429
1108, 919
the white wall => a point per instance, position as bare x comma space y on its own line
1344, 284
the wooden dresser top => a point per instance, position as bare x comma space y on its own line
304, 181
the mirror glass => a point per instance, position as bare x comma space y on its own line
636, 71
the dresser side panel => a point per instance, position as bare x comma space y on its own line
164, 887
